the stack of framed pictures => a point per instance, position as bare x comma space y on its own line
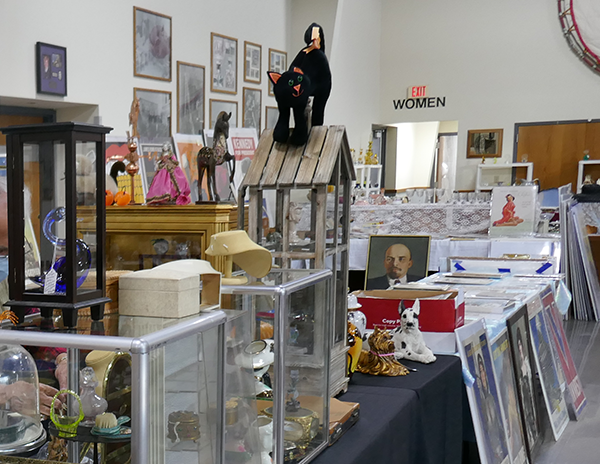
531, 353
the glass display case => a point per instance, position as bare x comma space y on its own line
291, 307
170, 371
20, 426
56, 181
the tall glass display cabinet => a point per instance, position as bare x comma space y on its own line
170, 381
290, 356
56, 182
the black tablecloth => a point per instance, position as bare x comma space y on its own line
428, 430
384, 432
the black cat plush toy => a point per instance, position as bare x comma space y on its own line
308, 76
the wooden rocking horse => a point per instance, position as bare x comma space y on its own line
210, 158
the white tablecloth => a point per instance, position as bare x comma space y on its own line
475, 248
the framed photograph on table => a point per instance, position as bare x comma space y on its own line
51, 69
396, 259
190, 98
484, 143
223, 59
252, 62
150, 152
251, 110
514, 211
482, 393
551, 375
216, 106
154, 120
277, 63
271, 116
524, 365
151, 44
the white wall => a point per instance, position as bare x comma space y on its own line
415, 151
99, 41
496, 62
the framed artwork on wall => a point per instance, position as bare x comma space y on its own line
277, 63
51, 67
271, 116
154, 119
190, 98
251, 109
484, 142
151, 44
223, 60
216, 106
252, 62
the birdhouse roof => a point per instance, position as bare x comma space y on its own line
281, 165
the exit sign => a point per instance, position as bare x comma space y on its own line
417, 91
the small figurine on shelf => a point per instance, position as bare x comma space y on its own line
408, 339
370, 157
91, 403
586, 155
483, 160
133, 166
361, 157
588, 180
209, 158
292, 404
524, 158
169, 184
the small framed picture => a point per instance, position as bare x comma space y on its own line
187, 147
251, 110
396, 259
150, 152
154, 119
190, 98
252, 62
151, 44
277, 63
223, 59
524, 366
216, 106
51, 66
271, 116
514, 210
484, 142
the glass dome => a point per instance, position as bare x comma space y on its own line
20, 426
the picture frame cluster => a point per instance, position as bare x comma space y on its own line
153, 59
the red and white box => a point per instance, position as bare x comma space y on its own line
441, 313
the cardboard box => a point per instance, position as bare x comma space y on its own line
441, 311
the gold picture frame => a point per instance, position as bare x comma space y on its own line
252, 62
152, 40
223, 63
251, 108
484, 143
191, 92
277, 63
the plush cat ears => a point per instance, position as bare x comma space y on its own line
274, 76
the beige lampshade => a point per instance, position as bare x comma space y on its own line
246, 254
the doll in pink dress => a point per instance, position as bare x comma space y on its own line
169, 184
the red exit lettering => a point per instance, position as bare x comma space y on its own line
419, 91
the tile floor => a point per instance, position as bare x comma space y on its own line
580, 442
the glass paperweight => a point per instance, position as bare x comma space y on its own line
20, 426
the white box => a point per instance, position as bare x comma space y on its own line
159, 293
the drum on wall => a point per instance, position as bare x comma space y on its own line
580, 20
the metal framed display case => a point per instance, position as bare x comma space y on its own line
308, 189
177, 374
291, 307
56, 180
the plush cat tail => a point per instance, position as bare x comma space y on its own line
308, 36
274, 76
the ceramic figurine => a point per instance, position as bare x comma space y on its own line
169, 185
588, 180
586, 155
380, 359
92, 403
294, 217
408, 339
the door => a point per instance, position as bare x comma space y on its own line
556, 149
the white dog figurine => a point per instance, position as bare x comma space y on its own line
408, 339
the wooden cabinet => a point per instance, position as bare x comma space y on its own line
140, 237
